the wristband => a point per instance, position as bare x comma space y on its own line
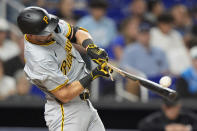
87, 42
85, 81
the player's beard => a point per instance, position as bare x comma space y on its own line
47, 40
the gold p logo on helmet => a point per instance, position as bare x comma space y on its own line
45, 18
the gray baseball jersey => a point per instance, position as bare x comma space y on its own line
51, 66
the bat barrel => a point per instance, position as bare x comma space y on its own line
162, 91
172, 95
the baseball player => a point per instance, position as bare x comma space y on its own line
56, 67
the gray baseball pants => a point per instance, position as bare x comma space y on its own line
73, 116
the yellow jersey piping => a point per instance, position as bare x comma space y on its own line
62, 123
60, 86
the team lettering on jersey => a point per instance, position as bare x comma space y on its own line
67, 63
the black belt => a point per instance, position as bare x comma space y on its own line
85, 95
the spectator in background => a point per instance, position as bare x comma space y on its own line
182, 21
194, 30
155, 8
16, 63
65, 11
194, 14
144, 57
22, 85
27, 2
102, 28
128, 35
187, 83
192, 42
50, 5
8, 49
41, 3
171, 118
24, 88
7, 84
138, 8
170, 41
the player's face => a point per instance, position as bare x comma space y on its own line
43, 39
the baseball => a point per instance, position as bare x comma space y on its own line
165, 81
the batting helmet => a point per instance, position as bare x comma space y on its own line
37, 21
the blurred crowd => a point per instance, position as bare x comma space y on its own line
144, 36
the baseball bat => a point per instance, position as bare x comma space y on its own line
157, 88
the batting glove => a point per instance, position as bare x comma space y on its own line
101, 70
97, 54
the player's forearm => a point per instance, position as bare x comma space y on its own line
70, 91
76, 88
81, 36
65, 94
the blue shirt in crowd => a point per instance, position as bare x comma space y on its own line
102, 31
152, 62
190, 75
119, 41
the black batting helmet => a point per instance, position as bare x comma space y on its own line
37, 21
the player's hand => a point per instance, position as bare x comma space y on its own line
97, 54
101, 70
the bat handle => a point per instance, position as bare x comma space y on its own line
115, 69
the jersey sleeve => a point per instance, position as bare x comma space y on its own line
46, 73
66, 28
